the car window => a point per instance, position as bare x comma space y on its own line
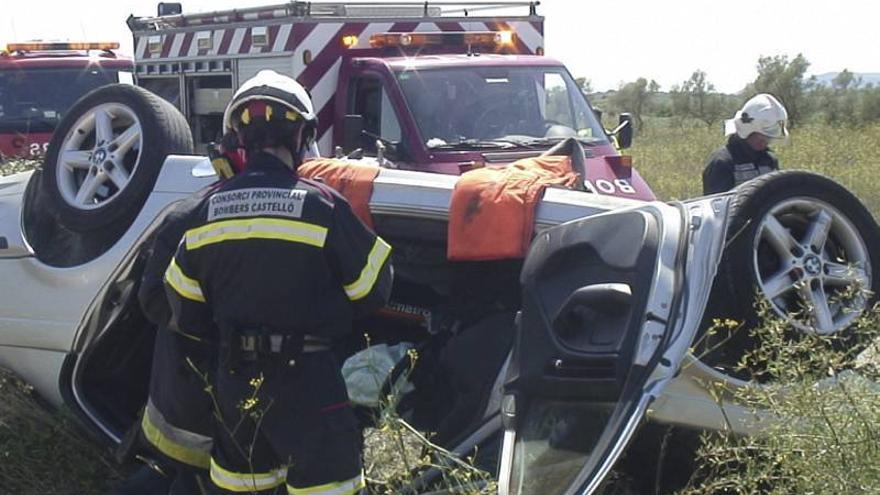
166, 87
372, 103
458, 105
557, 106
35, 100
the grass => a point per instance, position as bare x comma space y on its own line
37, 446
671, 158
824, 398
43, 451
15, 166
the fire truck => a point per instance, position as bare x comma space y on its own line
40, 81
433, 86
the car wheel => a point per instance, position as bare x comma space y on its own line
805, 246
106, 153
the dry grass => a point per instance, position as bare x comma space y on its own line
42, 451
671, 158
824, 398
15, 166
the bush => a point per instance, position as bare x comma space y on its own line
820, 410
16, 166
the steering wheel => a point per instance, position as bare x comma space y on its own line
487, 127
550, 122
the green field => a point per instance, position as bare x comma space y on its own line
671, 158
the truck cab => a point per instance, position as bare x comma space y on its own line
40, 81
450, 113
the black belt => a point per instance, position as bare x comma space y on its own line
276, 343
251, 345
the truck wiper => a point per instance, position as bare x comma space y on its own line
586, 141
479, 143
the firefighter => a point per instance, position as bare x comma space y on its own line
176, 421
747, 154
272, 270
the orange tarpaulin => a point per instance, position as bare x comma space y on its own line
353, 181
492, 215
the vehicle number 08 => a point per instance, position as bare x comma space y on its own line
605, 186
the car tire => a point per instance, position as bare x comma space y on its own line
106, 153
799, 241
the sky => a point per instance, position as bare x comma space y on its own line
606, 41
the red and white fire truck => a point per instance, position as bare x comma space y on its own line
40, 81
433, 86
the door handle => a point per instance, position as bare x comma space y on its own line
608, 298
4, 243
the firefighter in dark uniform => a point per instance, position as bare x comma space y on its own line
747, 154
177, 418
273, 269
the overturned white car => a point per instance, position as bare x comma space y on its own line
566, 353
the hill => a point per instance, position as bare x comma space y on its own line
867, 78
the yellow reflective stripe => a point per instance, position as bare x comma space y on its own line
183, 285
347, 487
246, 482
175, 450
222, 167
364, 284
256, 228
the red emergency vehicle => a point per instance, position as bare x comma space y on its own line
40, 81
434, 86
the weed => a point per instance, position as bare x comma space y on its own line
823, 400
15, 166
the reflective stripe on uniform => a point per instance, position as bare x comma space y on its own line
347, 487
246, 482
364, 284
183, 285
256, 228
178, 444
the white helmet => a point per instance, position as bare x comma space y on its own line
762, 114
273, 97
271, 86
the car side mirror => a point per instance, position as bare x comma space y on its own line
624, 131
352, 132
598, 113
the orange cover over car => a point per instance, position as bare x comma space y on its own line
353, 181
492, 215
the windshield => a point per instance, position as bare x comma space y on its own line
34, 100
520, 105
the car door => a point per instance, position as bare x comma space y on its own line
607, 316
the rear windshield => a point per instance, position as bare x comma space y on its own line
34, 100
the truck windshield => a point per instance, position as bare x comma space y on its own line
519, 105
34, 100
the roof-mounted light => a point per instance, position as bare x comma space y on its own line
33, 47
488, 39
349, 41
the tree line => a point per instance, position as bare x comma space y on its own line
847, 100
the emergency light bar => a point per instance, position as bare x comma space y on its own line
463, 38
31, 47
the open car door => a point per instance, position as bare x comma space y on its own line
607, 315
